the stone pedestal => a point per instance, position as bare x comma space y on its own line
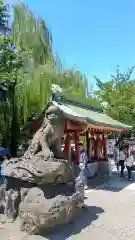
92, 169
104, 168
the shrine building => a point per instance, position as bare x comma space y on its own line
89, 124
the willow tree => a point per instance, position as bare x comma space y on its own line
34, 42
31, 36
73, 82
77, 84
32, 89
42, 69
35, 88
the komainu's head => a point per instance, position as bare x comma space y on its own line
54, 114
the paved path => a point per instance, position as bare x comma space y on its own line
109, 215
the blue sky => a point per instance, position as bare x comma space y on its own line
93, 35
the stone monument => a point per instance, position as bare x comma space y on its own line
37, 189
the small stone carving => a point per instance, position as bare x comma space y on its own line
36, 188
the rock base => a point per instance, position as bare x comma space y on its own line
103, 168
42, 214
41, 207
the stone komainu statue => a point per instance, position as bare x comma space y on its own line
48, 138
37, 189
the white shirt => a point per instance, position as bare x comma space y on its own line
121, 156
129, 161
116, 154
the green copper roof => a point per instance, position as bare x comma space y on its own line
87, 113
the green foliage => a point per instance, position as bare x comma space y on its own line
10, 61
28, 69
118, 96
34, 40
3, 17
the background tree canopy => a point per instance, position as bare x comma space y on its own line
28, 68
118, 96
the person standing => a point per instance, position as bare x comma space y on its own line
116, 155
122, 158
3, 177
4, 155
129, 163
83, 164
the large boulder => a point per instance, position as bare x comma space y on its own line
39, 171
39, 213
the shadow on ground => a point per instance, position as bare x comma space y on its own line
89, 214
115, 183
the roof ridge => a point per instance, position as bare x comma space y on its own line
60, 98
